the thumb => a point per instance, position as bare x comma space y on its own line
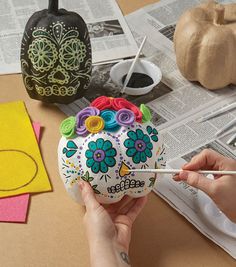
88, 196
196, 180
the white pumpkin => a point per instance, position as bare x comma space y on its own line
103, 158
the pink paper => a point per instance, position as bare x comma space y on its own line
14, 209
36, 126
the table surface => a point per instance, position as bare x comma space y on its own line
54, 234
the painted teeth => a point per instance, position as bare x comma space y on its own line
125, 185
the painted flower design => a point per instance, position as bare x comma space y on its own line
100, 155
153, 133
139, 146
43, 54
72, 53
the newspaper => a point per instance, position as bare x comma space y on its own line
176, 106
110, 36
179, 112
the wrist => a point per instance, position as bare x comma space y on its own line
108, 253
104, 243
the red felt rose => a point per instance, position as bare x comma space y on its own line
119, 103
102, 102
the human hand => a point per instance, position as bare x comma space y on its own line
222, 189
109, 227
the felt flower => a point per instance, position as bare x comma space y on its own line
82, 116
119, 103
102, 102
139, 146
109, 117
125, 117
100, 155
146, 113
67, 127
94, 124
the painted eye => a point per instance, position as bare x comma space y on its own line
100, 155
42, 54
139, 146
72, 53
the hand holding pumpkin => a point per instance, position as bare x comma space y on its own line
109, 228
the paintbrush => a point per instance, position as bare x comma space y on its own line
131, 69
173, 171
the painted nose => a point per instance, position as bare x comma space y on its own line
124, 170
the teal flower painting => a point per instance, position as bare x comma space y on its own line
139, 146
100, 155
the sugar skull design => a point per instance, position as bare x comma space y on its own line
102, 143
56, 58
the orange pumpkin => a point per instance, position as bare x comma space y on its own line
205, 44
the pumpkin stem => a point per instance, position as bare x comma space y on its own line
53, 6
219, 15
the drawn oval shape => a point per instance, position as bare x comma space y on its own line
17, 169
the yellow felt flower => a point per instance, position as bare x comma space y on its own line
94, 124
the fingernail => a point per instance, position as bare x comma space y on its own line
183, 175
81, 185
185, 165
175, 177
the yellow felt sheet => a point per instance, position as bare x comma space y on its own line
21, 166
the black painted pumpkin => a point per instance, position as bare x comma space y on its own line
56, 55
